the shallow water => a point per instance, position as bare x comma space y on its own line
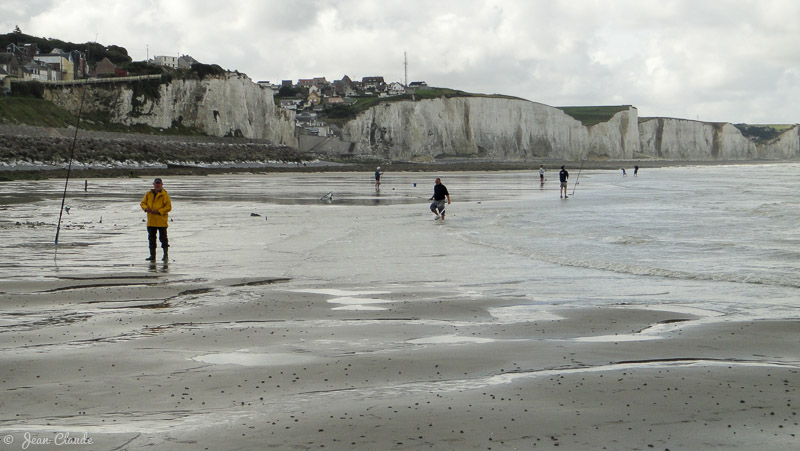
715, 238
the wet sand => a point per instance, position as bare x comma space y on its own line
157, 360
353, 326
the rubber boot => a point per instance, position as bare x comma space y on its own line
166, 255
152, 256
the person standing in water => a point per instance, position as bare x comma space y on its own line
563, 175
541, 174
635, 170
157, 205
440, 193
378, 174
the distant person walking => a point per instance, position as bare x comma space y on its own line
440, 193
624, 174
541, 174
563, 175
157, 205
635, 171
378, 174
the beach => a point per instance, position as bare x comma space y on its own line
655, 312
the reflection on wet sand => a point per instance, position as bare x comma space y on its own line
373, 327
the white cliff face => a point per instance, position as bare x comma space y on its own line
680, 139
513, 129
486, 127
617, 139
490, 128
786, 146
228, 106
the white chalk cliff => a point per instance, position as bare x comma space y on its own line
227, 106
513, 129
480, 127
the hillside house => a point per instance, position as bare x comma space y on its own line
396, 89
24, 52
335, 100
417, 84
186, 61
104, 68
290, 104
64, 62
39, 72
306, 118
10, 64
374, 83
265, 84
319, 82
166, 61
71, 65
343, 87
314, 97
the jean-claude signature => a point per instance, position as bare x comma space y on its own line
59, 439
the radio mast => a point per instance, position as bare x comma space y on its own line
405, 64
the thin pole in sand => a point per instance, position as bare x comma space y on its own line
69, 167
579, 173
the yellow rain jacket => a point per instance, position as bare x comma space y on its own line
159, 205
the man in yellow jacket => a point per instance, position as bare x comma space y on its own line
157, 205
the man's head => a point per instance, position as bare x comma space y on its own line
158, 184
438, 181
562, 167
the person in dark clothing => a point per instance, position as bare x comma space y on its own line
378, 174
440, 193
563, 175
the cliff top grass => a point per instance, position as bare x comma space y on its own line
776, 127
342, 113
591, 115
762, 133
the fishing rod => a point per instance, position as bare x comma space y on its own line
579, 173
69, 166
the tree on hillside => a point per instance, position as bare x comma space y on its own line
17, 30
288, 91
142, 68
96, 52
207, 70
93, 51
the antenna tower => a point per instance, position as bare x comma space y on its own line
405, 63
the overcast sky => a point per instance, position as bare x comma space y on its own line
712, 60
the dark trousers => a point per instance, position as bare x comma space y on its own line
162, 236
